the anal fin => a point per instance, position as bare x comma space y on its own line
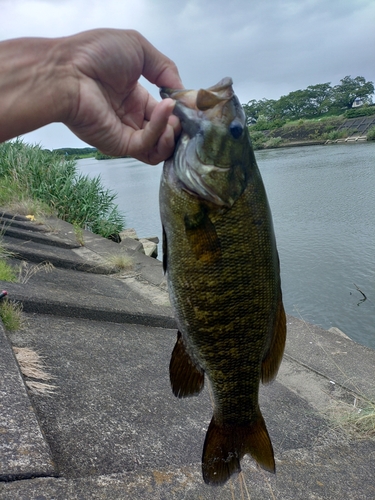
187, 379
226, 444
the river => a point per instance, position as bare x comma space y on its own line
323, 205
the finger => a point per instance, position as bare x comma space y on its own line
165, 146
157, 67
145, 140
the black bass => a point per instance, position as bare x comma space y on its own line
222, 265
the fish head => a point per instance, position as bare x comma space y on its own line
212, 157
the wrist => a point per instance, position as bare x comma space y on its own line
36, 85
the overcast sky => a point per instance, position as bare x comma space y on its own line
268, 47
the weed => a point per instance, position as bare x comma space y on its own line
333, 135
274, 142
358, 419
27, 270
29, 173
32, 366
78, 232
11, 315
7, 272
371, 134
120, 262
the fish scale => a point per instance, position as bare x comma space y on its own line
222, 266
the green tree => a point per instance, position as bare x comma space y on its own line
349, 89
265, 108
294, 105
320, 98
252, 111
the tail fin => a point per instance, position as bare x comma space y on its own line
225, 445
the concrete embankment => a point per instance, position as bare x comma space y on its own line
308, 132
111, 427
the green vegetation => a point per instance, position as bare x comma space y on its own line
364, 110
371, 134
313, 130
11, 314
262, 141
101, 156
76, 152
314, 101
6, 271
28, 173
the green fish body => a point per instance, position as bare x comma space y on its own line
220, 256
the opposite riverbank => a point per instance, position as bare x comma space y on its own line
315, 132
112, 429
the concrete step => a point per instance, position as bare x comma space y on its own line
80, 259
36, 235
24, 453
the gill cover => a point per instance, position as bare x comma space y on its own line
211, 156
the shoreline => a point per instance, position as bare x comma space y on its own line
326, 142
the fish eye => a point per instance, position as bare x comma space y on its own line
235, 129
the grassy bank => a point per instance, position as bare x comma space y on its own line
38, 182
304, 130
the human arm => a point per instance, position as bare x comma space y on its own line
90, 82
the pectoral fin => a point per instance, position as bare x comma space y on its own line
187, 379
272, 360
202, 236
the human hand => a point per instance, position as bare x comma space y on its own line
109, 109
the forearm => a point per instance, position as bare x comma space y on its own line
36, 85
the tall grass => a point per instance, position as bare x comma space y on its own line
30, 172
371, 134
11, 314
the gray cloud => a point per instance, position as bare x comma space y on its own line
269, 48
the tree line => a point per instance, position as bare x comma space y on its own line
312, 102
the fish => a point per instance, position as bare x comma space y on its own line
223, 274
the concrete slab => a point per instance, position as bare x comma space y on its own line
298, 478
36, 234
121, 298
116, 431
339, 359
24, 452
79, 259
114, 410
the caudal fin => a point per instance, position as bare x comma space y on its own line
225, 445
